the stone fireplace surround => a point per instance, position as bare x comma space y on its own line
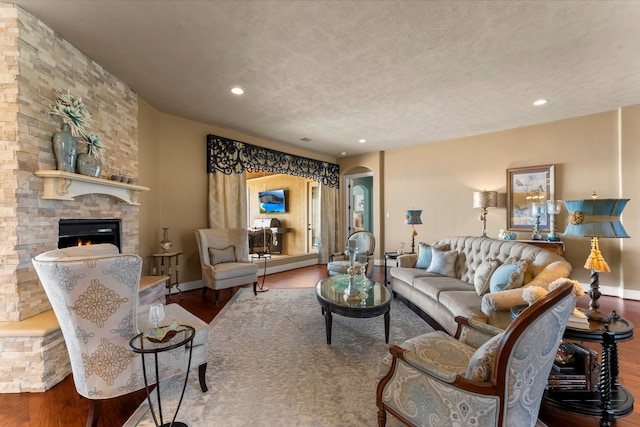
35, 62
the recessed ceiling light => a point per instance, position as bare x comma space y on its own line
344, 153
540, 102
237, 90
305, 139
362, 141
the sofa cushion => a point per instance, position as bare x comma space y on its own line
481, 279
220, 256
408, 275
443, 263
432, 286
424, 256
508, 276
463, 303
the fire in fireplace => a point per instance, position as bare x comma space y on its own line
75, 232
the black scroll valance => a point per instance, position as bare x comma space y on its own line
228, 156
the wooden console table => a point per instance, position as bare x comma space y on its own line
555, 247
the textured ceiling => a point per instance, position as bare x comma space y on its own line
396, 73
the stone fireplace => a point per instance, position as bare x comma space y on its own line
35, 62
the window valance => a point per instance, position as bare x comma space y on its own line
228, 156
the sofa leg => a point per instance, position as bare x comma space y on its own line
204, 292
202, 373
217, 292
94, 413
255, 288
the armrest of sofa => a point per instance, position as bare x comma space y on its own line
407, 260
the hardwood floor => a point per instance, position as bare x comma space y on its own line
61, 405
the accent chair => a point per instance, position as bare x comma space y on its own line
365, 245
224, 259
483, 376
93, 291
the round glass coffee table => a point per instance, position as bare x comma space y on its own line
330, 293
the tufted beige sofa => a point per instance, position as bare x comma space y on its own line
443, 298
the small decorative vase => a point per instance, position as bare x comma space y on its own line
88, 164
165, 244
65, 149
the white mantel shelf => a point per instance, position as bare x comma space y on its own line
60, 185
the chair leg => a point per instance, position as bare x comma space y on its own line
255, 288
217, 292
204, 291
94, 413
202, 373
382, 417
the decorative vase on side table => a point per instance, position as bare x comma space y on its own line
65, 149
165, 244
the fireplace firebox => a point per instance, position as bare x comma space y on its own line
76, 232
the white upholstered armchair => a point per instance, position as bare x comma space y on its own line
483, 376
224, 259
365, 246
94, 293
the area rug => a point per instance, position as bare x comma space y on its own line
270, 365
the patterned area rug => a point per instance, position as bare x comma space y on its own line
269, 365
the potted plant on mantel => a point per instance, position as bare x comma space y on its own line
75, 117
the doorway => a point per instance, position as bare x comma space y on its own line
359, 202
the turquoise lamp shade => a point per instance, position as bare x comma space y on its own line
413, 217
595, 218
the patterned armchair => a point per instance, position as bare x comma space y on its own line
365, 245
94, 293
483, 376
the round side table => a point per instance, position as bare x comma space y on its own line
139, 344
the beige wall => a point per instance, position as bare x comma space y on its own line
439, 178
173, 164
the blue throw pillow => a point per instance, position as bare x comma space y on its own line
507, 276
424, 256
443, 263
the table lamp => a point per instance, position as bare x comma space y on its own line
537, 210
413, 217
596, 218
553, 208
483, 200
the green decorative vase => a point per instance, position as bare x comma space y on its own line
88, 164
65, 149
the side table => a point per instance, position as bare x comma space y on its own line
163, 265
612, 400
139, 344
388, 255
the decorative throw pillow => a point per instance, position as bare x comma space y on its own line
219, 256
424, 256
508, 276
482, 277
443, 263
481, 363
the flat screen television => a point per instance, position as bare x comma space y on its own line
272, 201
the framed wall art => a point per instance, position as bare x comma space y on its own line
526, 186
